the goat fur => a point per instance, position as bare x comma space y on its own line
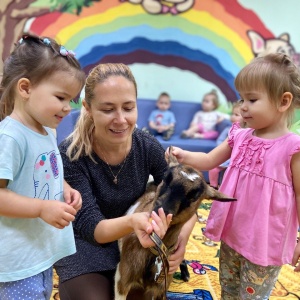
180, 193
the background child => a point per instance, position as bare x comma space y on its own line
204, 123
162, 120
235, 117
40, 78
258, 231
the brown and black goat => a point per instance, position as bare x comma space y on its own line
180, 193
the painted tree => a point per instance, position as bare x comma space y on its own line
15, 13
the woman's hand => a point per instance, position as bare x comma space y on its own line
177, 257
144, 225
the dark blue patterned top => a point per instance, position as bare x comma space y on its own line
102, 199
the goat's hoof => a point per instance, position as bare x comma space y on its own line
185, 275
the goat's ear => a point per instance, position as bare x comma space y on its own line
172, 160
216, 195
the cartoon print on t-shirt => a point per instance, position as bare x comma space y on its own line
45, 169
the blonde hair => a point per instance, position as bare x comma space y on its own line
215, 99
82, 136
275, 74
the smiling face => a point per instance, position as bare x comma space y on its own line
113, 110
49, 101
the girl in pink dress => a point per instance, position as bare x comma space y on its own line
258, 232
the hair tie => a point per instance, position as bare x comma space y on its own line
64, 52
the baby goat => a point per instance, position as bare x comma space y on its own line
180, 193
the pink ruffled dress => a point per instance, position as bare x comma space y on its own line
262, 224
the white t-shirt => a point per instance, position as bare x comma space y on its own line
208, 119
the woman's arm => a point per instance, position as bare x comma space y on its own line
113, 229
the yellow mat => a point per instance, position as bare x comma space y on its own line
203, 268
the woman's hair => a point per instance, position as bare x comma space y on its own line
275, 74
82, 136
35, 58
215, 99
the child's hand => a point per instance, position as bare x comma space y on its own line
296, 257
56, 213
177, 152
160, 128
72, 196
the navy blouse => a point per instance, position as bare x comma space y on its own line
103, 199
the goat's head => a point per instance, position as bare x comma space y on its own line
182, 190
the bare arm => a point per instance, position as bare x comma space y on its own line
200, 160
152, 125
295, 167
113, 229
13, 205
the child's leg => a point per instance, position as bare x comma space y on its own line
191, 131
213, 176
257, 281
210, 135
241, 279
168, 133
229, 276
38, 287
200, 128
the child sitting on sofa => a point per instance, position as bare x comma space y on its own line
162, 120
235, 117
204, 122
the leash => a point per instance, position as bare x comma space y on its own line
161, 252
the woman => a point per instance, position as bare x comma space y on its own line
109, 161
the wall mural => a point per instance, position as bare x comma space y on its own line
183, 47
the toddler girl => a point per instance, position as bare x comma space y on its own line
40, 78
204, 122
258, 232
215, 172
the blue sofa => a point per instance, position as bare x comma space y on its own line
184, 112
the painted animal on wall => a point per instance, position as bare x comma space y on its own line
164, 6
282, 44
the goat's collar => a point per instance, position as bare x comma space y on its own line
160, 247
162, 253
